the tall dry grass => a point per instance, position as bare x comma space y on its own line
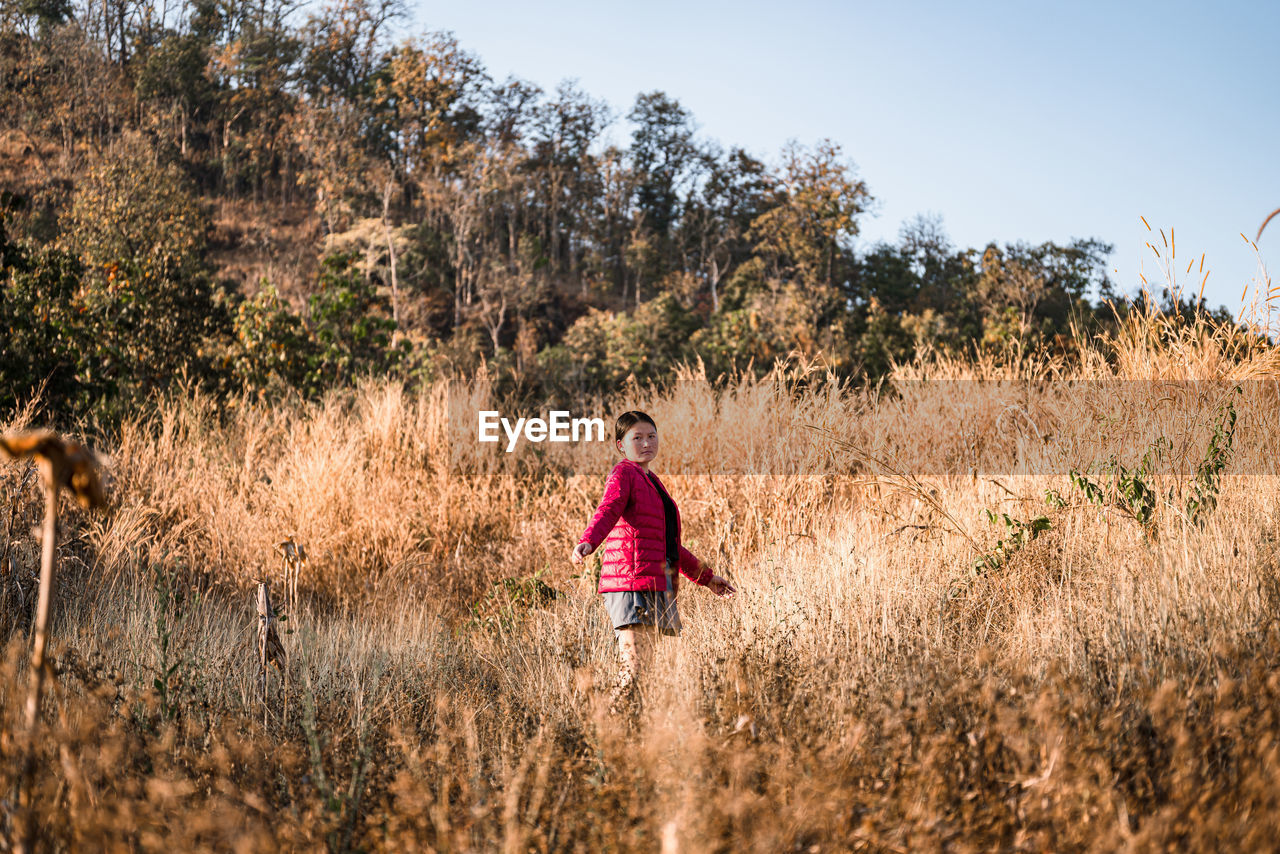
1104, 687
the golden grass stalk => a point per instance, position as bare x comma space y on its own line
61, 464
1270, 217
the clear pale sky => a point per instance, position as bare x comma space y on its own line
1012, 120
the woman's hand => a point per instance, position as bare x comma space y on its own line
580, 551
721, 586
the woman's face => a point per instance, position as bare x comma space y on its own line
640, 443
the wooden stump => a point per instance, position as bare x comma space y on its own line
270, 650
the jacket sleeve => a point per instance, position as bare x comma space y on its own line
693, 569
617, 491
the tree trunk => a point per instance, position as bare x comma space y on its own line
554, 231
715, 281
391, 251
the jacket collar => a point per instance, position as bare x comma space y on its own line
636, 466
656, 484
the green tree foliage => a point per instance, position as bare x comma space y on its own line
173, 83
602, 349
351, 323
345, 336
253, 66
273, 351
714, 230
664, 154
101, 337
140, 232
1029, 291
565, 171
922, 292
763, 319
54, 331
35, 16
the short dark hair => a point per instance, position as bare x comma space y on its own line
627, 420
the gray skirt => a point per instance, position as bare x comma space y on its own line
644, 608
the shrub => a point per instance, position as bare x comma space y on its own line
53, 333
273, 351
129, 210
602, 348
351, 323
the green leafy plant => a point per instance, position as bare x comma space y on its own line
510, 600
1207, 482
1133, 490
346, 336
273, 349
351, 324
170, 670
1017, 534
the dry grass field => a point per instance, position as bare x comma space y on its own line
897, 672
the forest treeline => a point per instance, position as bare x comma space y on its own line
421, 216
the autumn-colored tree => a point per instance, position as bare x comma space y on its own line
57, 90
431, 89
1030, 291
713, 233
338, 126
816, 215
492, 220
130, 209
428, 98
564, 130
255, 67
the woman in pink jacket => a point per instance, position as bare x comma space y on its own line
639, 524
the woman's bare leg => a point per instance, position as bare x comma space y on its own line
635, 650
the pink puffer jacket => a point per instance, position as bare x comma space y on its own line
631, 514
